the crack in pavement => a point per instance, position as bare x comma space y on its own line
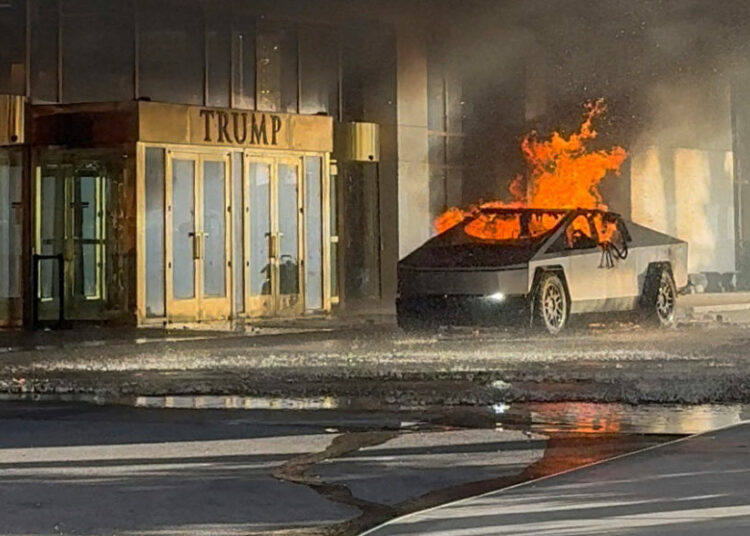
298, 470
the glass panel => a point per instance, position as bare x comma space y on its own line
455, 151
155, 232
11, 225
454, 103
238, 234
313, 234
6, 218
319, 70
44, 18
277, 68
579, 234
50, 231
171, 57
243, 63
260, 228
334, 223
436, 98
183, 228
368, 72
214, 229
288, 230
13, 50
97, 50
454, 187
438, 193
436, 150
219, 60
86, 236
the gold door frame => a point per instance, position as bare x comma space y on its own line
185, 309
200, 307
274, 304
253, 306
261, 306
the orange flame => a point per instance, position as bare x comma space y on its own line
562, 173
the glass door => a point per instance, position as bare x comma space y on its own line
261, 241
86, 237
71, 225
274, 237
197, 238
288, 259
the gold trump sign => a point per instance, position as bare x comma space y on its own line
168, 123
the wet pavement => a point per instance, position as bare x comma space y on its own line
83, 468
354, 426
369, 365
694, 486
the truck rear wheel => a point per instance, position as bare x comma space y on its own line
660, 297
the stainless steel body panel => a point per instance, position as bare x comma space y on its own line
594, 287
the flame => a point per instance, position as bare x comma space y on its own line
562, 174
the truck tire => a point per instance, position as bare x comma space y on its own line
551, 306
659, 302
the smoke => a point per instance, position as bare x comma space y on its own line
674, 76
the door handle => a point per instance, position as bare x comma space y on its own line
197, 245
273, 245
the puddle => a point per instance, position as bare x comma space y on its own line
543, 417
593, 418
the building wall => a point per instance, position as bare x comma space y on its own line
682, 176
414, 222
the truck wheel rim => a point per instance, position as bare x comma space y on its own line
553, 306
665, 300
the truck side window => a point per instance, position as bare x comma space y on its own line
579, 234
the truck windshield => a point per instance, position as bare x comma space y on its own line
511, 225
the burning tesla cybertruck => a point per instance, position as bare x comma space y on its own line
541, 266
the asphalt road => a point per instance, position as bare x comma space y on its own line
91, 470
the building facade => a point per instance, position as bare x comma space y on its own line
182, 161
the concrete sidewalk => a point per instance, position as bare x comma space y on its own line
694, 486
731, 307
15, 340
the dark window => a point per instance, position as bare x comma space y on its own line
12, 56
219, 59
445, 124
243, 62
97, 45
44, 60
319, 70
277, 77
436, 101
171, 52
580, 234
368, 74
